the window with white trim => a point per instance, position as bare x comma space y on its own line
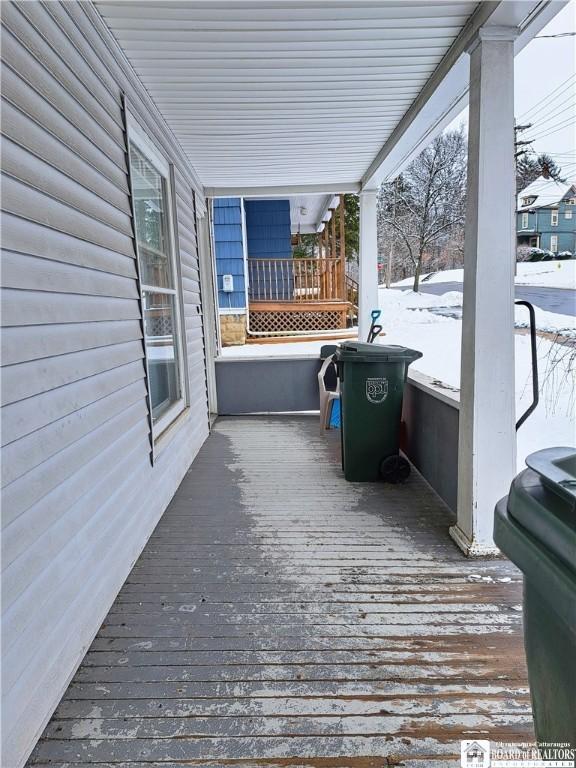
155, 245
554, 243
554, 218
568, 213
524, 221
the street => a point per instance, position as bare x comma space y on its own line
562, 301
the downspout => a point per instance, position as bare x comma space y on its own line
287, 334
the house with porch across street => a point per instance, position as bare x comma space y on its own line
182, 585
266, 289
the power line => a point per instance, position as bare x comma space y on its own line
551, 105
559, 128
552, 129
538, 130
546, 98
554, 115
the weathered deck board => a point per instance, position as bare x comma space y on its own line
280, 616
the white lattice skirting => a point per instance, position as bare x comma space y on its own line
277, 321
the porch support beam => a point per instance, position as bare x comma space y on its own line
487, 438
287, 190
368, 261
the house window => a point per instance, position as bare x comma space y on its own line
528, 200
153, 225
524, 221
554, 218
571, 201
568, 213
554, 243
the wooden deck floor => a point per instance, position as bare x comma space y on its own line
280, 616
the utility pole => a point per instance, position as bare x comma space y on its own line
519, 152
517, 143
392, 239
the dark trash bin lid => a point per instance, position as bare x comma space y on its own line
362, 352
557, 470
549, 515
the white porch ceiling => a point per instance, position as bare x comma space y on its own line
308, 211
287, 97
284, 92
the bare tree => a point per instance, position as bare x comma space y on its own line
430, 202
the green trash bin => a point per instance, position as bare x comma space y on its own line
535, 526
372, 378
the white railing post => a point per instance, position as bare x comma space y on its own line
487, 439
368, 261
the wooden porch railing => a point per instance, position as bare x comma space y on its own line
296, 280
352, 291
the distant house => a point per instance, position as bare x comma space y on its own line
263, 289
546, 216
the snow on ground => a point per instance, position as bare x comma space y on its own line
551, 274
554, 274
549, 322
407, 320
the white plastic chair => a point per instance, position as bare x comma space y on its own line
327, 395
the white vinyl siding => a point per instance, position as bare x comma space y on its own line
80, 495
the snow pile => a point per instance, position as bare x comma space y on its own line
446, 276
393, 300
552, 274
547, 322
553, 423
437, 337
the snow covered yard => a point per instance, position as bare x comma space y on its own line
413, 320
407, 320
549, 274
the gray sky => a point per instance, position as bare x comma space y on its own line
540, 98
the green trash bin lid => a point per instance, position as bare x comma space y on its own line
543, 507
362, 352
557, 470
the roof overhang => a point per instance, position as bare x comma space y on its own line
300, 97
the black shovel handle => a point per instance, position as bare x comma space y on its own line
375, 330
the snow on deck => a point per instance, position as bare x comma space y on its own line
280, 616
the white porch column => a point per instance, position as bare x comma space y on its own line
487, 438
368, 261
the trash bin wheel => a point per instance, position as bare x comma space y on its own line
394, 469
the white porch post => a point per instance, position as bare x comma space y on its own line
487, 439
368, 261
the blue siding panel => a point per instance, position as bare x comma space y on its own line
229, 250
268, 236
268, 228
